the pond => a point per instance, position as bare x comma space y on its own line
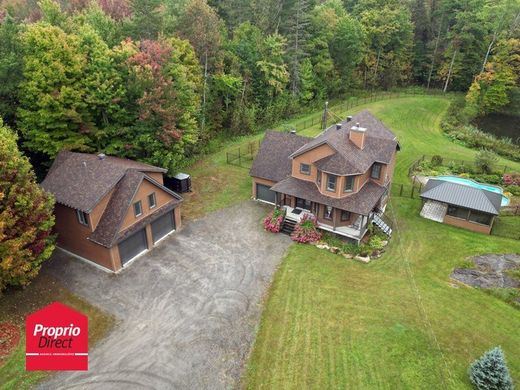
501, 125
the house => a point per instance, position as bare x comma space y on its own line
460, 205
342, 176
109, 210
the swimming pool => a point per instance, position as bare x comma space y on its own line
474, 184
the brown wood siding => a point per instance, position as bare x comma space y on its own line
309, 158
157, 176
72, 236
98, 211
144, 190
462, 223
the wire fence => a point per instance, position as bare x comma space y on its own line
244, 155
318, 119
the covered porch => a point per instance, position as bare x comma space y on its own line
334, 220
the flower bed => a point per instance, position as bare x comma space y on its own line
372, 246
273, 222
306, 231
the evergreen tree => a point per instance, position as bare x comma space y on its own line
26, 216
11, 65
490, 372
147, 19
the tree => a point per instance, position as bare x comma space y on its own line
147, 19
347, 47
51, 96
490, 372
11, 65
201, 25
26, 216
485, 160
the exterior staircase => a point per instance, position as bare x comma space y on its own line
288, 226
381, 224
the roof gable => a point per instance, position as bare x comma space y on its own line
80, 180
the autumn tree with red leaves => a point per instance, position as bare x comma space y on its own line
26, 217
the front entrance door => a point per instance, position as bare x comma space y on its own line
303, 204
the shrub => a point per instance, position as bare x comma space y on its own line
306, 230
376, 243
273, 222
511, 178
436, 160
490, 372
490, 179
515, 190
485, 160
26, 217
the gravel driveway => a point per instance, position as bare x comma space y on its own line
187, 310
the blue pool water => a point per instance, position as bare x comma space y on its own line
474, 184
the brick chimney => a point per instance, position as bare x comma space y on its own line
357, 135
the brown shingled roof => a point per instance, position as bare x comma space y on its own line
380, 144
361, 202
81, 180
107, 232
272, 161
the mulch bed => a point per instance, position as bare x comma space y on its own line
9, 339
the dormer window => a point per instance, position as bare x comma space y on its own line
376, 171
82, 217
349, 183
331, 183
305, 169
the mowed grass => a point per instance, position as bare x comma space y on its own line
16, 304
398, 322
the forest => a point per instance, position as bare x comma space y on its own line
157, 80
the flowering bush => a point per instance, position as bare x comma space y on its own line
273, 222
306, 230
511, 179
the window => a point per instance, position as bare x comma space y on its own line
138, 208
318, 178
151, 200
303, 204
327, 212
82, 217
349, 183
482, 218
458, 212
345, 215
376, 171
305, 169
331, 183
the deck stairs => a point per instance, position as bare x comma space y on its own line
377, 220
288, 226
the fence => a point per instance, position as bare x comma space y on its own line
447, 161
412, 190
244, 155
357, 101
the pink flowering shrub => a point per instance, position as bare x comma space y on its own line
273, 222
306, 230
511, 179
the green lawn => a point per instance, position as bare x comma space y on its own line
398, 322
15, 305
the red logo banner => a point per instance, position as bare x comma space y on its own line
56, 339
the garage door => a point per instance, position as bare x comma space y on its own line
132, 246
264, 193
162, 226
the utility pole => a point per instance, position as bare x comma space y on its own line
325, 115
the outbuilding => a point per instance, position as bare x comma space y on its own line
460, 205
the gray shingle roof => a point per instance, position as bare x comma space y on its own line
463, 196
380, 144
361, 202
272, 161
81, 180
